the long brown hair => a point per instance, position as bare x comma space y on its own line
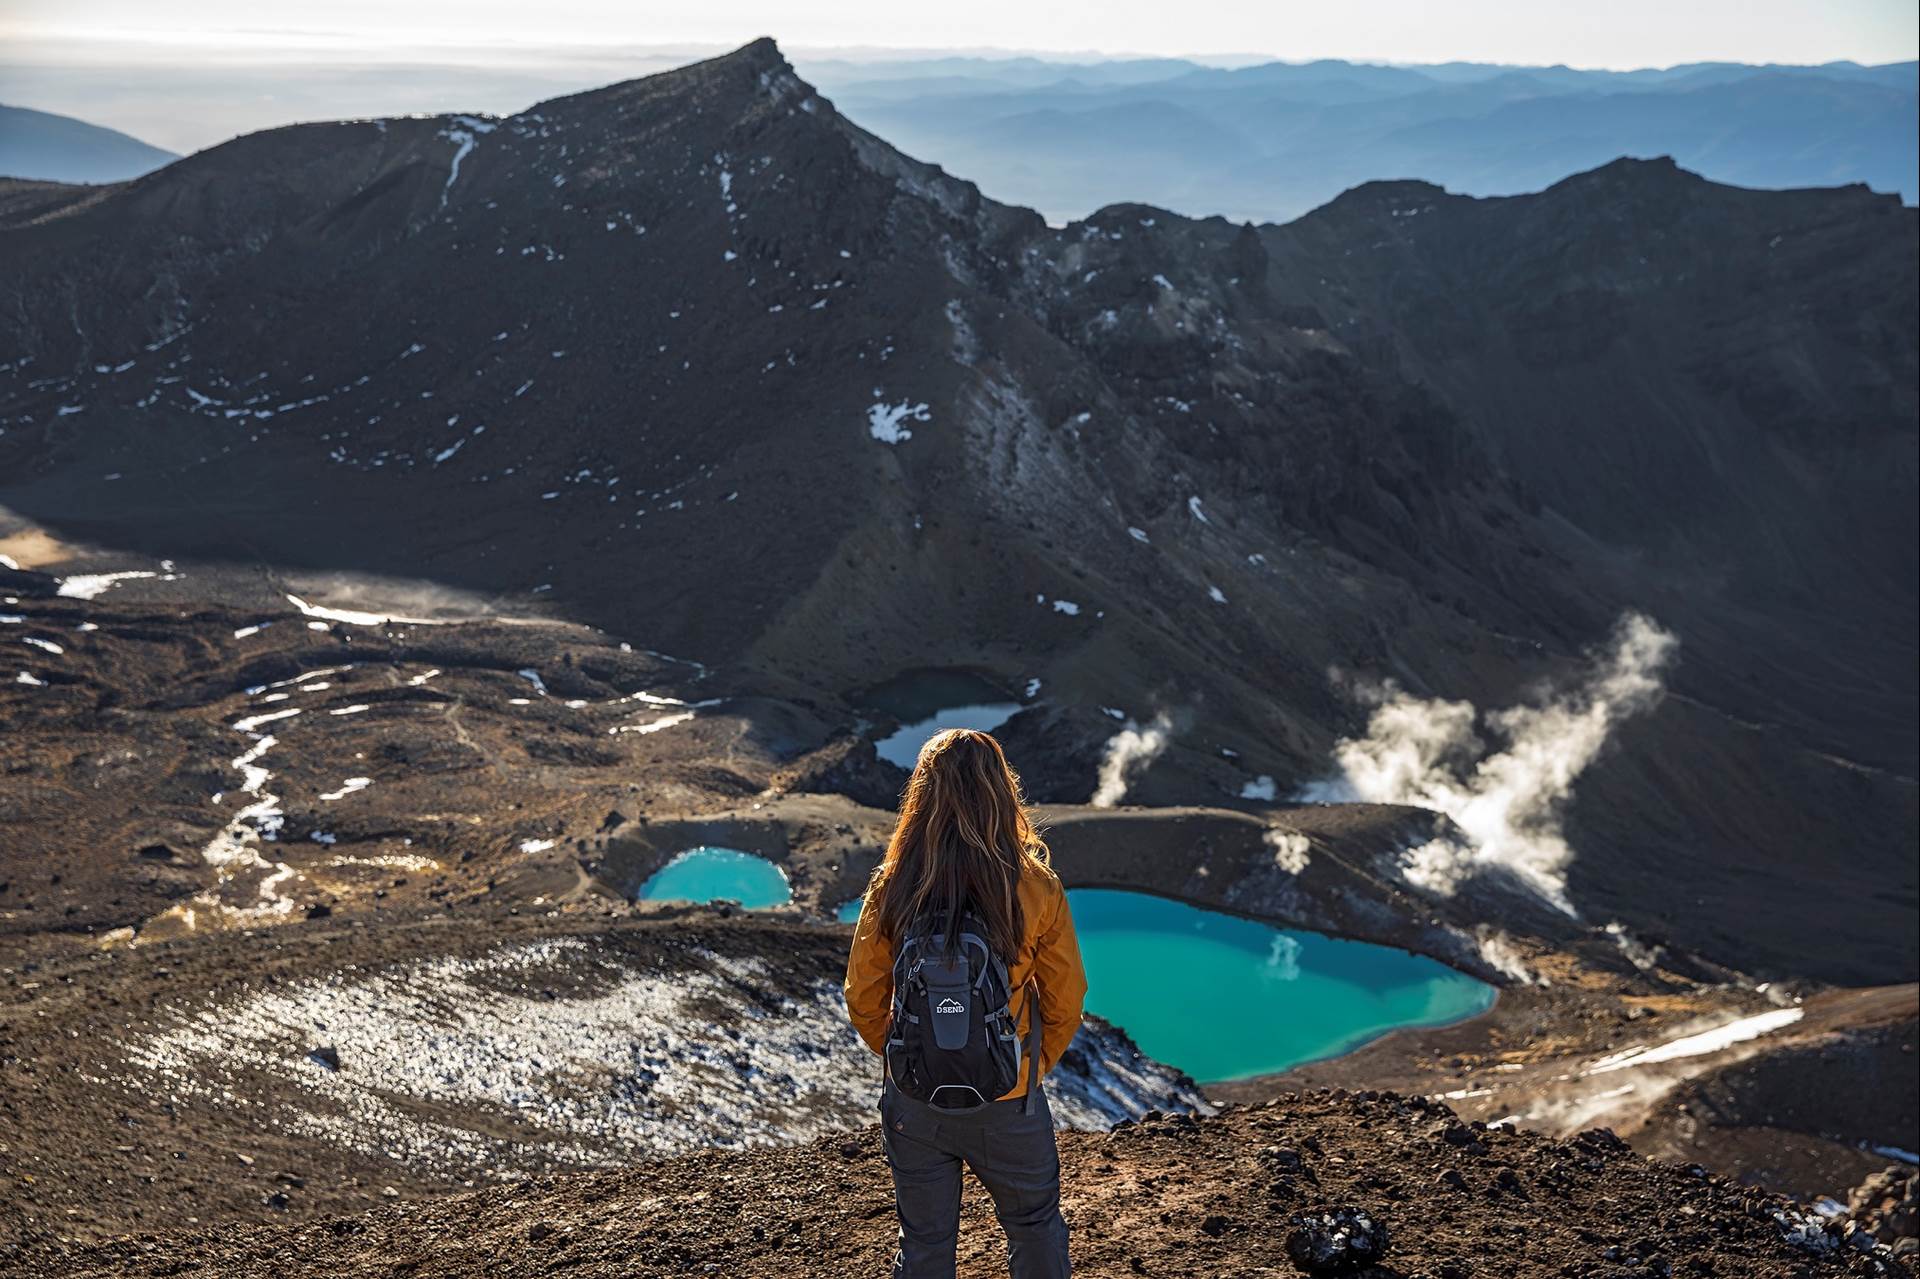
963, 841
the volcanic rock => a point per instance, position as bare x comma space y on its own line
1335, 1241
1884, 1207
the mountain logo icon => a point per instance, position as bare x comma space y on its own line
949, 1006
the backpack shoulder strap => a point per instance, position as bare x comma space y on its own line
1033, 1047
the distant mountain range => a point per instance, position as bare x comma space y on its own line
59, 148
1262, 143
1268, 142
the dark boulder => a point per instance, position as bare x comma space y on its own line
1335, 1241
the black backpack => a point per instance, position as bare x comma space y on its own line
952, 1041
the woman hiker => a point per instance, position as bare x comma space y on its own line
965, 977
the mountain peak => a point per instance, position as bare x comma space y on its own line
761, 51
758, 57
1385, 198
1636, 181
726, 83
1656, 170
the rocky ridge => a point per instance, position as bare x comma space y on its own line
1455, 1201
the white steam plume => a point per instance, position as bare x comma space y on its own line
1507, 803
1499, 953
1638, 953
1128, 751
1291, 850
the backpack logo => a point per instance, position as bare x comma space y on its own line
949, 1006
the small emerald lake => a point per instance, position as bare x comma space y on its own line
725, 874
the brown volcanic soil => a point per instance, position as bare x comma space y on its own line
106, 802
109, 772
1174, 1196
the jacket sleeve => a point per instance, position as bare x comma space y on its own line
869, 984
1062, 981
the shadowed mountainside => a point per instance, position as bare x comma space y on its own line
694, 359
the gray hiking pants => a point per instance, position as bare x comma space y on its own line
1013, 1155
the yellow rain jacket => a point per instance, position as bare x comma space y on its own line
1049, 961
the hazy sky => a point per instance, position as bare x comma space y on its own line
186, 73
1613, 33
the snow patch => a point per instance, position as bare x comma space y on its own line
355, 618
636, 1060
86, 586
1708, 1041
251, 722
465, 133
884, 421
653, 726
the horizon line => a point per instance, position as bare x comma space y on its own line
320, 47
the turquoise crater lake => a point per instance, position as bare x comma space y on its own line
1223, 997
707, 874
